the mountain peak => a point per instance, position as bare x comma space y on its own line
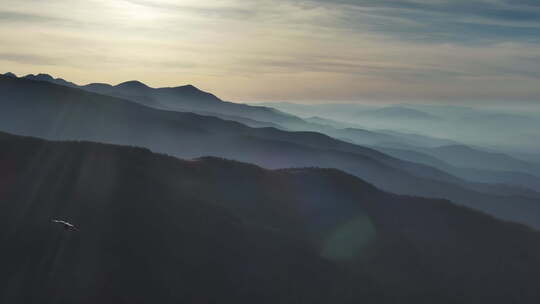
135, 84
48, 78
187, 87
9, 74
96, 85
39, 77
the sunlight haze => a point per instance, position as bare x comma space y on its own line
286, 50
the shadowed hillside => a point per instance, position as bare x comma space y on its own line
154, 229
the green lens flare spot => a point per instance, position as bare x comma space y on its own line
349, 240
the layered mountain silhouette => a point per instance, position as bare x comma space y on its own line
185, 98
190, 99
59, 112
504, 169
471, 163
508, 130
155, 229
464, 156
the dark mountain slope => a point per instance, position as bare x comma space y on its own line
55, 112
154, 229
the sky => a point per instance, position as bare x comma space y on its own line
311, 51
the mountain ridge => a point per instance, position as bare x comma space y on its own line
154, 228
179, 98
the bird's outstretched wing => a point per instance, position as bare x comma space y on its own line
61, 222
67, 225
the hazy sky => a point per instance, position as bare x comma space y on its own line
286, 50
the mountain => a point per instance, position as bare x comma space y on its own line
46, 77
58, 112
412, 139
517, 130
326, 122
190, 99
363, 137
396, 112
462, 161
185, 98
379, 137
479, 116
468, 157
332, 111
155, 229
532, 158
472, 174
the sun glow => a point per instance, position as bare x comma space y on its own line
133, 11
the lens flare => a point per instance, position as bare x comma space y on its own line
349, 240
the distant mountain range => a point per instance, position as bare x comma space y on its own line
190, 99
464, 156
185, 98
155, 229
512, 130
396, 112
473, 164
512, 173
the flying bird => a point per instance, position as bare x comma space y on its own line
67, 226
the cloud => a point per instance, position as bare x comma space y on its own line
230, 11
457, 21
285, 49
23, 17
31, 59
520, 10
